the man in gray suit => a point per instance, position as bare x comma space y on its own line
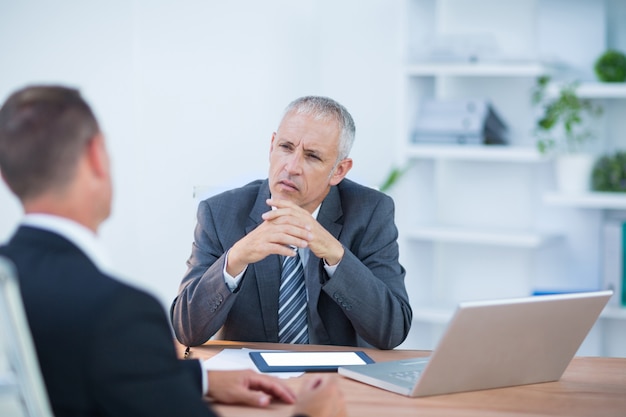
344, 233
104, 347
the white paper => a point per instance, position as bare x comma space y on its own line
238, 359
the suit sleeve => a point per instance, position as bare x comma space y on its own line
368, 285
147, 379
204, 300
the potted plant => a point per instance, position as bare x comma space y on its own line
565, 129
609, 173
610, 67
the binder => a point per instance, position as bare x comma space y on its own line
463, 121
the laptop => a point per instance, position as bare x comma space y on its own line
492, 344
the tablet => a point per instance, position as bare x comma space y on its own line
307, 361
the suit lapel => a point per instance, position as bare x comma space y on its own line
266, 271
330, 212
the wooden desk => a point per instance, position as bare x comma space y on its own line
590, 387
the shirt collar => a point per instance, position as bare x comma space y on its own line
316, 212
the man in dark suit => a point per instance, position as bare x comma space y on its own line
343, 232
104, 347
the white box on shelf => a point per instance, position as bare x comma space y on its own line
471, 121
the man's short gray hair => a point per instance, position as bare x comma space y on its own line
324, 108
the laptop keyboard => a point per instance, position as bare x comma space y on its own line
408, 376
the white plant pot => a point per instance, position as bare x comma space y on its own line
573, 173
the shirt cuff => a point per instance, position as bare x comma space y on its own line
330, 270
232, 282
205, 377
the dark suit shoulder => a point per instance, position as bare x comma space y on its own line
60, 285
354, 194
92, 331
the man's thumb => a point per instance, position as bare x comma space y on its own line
256, 399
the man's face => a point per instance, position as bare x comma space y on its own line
303, 154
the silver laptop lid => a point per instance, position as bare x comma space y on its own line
508, 342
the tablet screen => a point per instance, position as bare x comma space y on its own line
312, 358
307, 361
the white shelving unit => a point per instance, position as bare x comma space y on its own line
593, 90
592, 200
614, 313
482, 237
514, 69
480, 222
475, 153
611, 330
433, 241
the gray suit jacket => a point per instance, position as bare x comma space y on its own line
365, 303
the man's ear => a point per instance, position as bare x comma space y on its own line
97, 156
6, 182
341, 170
272, 143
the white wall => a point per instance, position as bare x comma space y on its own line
189, 92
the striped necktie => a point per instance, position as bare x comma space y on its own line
292, 304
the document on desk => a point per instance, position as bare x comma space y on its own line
238, 359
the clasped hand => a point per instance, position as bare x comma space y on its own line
283, 228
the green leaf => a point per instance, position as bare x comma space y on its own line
393, 177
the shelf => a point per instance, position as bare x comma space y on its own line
443, 316
616, 313
529, 69
484, 237
500, 153
592, 200
596, 90
592, 90
433, 315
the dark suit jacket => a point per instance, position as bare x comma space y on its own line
105, 348
364, 303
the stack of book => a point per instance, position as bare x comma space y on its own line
459, 121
